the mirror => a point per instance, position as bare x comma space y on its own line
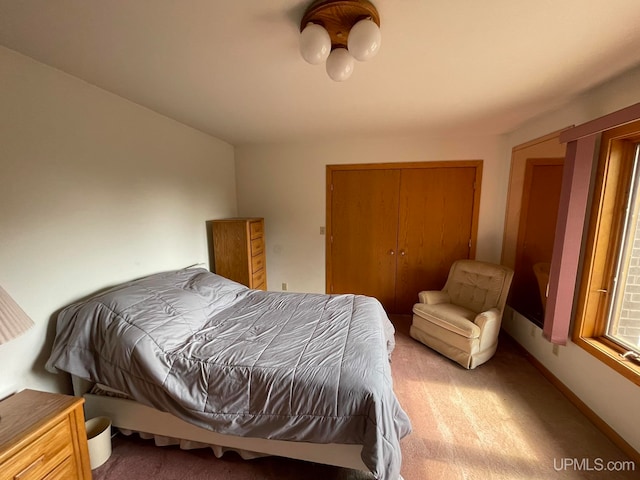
532, 209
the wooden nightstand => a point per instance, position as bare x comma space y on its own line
42, 436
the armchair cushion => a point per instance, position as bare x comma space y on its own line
478, 286
451, 317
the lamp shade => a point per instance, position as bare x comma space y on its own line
340, 64
315, 44
13, 320
364, 40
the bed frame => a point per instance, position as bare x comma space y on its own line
129, 415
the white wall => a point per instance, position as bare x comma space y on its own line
94, 190
286, 183
611, 396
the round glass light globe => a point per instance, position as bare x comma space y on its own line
364, 40
340, 64
315, 44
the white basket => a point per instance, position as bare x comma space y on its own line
99, 439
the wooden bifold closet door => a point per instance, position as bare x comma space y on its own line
394, 229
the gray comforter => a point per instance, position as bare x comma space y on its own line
287, 366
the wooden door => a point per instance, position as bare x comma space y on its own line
536, 232
548, 146
434, 228
363, 233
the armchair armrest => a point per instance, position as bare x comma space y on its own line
489, 323
433, 297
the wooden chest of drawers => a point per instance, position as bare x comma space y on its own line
42, 436
239, 253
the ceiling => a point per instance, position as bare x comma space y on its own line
231, 68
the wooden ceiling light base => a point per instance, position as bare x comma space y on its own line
338, 16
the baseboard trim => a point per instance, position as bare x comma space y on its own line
603, 426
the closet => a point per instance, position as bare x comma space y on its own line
394, 230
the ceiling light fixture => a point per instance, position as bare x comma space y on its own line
339, 31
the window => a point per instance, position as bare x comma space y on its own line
623, 319
608, 316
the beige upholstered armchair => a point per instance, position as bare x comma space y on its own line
462, 321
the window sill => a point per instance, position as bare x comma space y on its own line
604, 351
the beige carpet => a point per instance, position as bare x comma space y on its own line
503, 420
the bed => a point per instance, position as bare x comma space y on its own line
194, 356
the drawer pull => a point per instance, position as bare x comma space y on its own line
33, 465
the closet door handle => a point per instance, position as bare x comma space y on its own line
392, 252
402, 253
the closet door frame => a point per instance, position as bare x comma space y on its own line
477, 164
